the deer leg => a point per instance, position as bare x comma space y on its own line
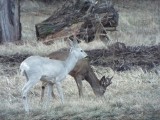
44, 84
51, 92
53, 95
60, 91
49, 85
78, 80
42, 91
24, 94
25, 90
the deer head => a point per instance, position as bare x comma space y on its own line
76, 50
104, 83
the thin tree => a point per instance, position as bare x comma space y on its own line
10, 26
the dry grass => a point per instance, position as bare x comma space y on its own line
132, 95
139, 23
36, 48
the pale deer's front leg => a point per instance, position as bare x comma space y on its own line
49, 92
60, 91
59, 79
53, 95
44, 84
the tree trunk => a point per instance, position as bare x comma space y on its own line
10, 26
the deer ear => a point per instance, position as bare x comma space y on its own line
75, 43
70, 43
103, 78
71, 49
111, 78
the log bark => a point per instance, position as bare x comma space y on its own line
91, 15
10, 26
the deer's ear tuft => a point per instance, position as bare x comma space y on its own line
70, 43
75, 43
111, 78
103, 78
71, 49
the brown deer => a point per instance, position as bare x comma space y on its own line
81, 71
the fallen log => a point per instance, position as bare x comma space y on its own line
86, 17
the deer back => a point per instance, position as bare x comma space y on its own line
84, 69
81, 66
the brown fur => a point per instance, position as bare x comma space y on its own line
82, 71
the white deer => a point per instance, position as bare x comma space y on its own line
36, 68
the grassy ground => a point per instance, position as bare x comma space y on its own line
133, 94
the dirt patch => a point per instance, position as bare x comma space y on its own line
13, 58
10, 64
118, 56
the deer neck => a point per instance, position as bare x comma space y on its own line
70, 62
94, 82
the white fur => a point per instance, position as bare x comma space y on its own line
53, 71
23, 67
